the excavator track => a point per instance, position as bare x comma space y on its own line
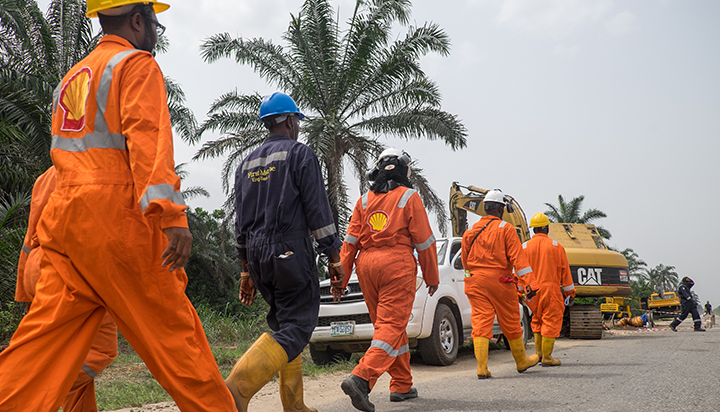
585, 322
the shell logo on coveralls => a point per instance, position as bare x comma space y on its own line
73, 100
378, 221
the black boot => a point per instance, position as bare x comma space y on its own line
673, 325
357, 389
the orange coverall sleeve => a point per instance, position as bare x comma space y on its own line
44, 186
350, 244
423, 239
516, 254
565, 274
146, 126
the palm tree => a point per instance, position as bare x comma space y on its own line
36, 51
637, 267
570, 212
354, 85
662, 278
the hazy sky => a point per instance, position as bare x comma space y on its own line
615, 100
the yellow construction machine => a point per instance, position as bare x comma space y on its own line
596, 270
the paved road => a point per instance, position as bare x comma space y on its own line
646, 371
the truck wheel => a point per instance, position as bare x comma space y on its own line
441, 347
328, 356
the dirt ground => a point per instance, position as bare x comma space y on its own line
325, 389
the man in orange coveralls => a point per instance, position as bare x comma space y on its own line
490, 250
551, 271
387, 224
114, 233
81, 397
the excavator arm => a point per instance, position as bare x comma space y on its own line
472, 201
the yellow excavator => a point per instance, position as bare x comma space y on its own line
596, 270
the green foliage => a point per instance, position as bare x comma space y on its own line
640, 289
637, 268
570, 212
354, 84
662, 278
13, 220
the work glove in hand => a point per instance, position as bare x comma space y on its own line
247, 289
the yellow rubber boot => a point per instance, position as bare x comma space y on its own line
547, 359
538, 344
481, 354
291, 387
254, 369
522, 361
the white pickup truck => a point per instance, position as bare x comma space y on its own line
438, 324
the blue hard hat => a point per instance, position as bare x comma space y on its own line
278, 103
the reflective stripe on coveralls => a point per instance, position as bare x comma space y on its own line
384, 229
108, 261
494, 254
551, 271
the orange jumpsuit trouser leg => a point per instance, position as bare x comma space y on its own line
81, 397
387, 279
109, 258
489, 297
551, 306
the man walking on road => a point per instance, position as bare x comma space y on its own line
688, 305
81, 397
114, 233
551, 272
490, 251
388, 223
281, 200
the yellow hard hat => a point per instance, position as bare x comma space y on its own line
539, 220
94, 6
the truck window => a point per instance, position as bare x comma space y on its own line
441, 250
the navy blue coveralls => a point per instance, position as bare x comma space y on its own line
687, 304
280, 200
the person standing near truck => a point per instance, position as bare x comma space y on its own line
280, 201
708, 308
490, 251
551, 272
387, 224
688, 306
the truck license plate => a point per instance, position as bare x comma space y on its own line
342, 328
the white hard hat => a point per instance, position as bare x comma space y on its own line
495, 196
392, 152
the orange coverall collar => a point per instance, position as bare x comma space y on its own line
114, 38
540, 234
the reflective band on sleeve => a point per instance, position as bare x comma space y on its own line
89, 371
364, 201
351, 239
26, 249
554, 242
525, 245
405, 197
502, 223
90, 141
525, 271
520, 289
568, 288
56, 97
389, 349
161, 191
264, 161
426, 244
324, 232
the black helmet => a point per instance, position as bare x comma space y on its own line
688, 281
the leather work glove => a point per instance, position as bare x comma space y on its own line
247, 289
337, 275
